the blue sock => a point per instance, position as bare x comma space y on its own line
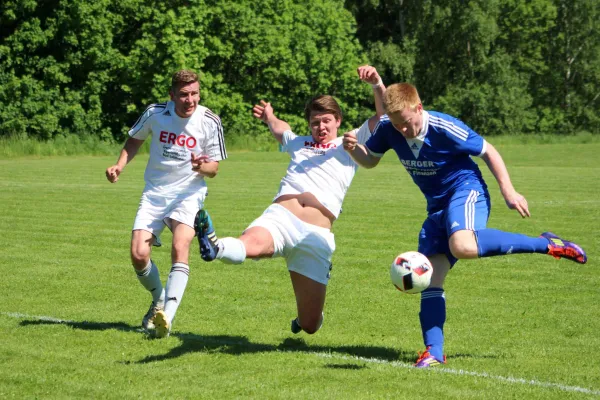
492, 242
433, 316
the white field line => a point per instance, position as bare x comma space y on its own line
395, 364
443, 370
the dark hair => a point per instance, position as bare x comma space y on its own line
323, 104
183, 77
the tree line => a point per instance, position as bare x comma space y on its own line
90, 67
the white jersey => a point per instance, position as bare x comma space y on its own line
174, 139
324, 170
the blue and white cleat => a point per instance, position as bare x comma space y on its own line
207, 238
560, 248
426, 360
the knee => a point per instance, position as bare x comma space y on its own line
140, 256
463, 247
312, 325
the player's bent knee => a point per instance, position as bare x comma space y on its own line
140, 257
464, 250
311, 329
463, 245
312, 325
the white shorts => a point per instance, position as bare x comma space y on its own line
307, 248
156, 211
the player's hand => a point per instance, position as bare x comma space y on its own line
349, 140
263, 111
197, 161
368, 74
516, 201
113, 172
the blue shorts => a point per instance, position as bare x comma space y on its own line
467, 209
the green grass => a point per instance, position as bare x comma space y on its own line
521, 326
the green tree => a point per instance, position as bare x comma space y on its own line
91, 66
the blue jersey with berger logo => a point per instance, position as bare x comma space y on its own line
438, 159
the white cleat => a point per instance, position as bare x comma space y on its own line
147, 321
162, 325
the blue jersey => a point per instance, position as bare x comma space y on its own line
438, 159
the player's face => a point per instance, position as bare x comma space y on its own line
323, 127
186, 99
408, 121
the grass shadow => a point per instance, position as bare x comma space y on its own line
236, 345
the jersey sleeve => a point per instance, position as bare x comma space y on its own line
363, 133
143, 126
286, 139
464, 139
214, 142
378, 144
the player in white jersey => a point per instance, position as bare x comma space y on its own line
297, 225
187, 145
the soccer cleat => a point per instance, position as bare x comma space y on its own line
148, 320
426, 360
560, 248
162, 325
207, 238
296, 328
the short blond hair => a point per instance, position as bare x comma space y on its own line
399, 97
183, 77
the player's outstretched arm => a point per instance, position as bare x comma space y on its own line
513, 199
369, 74
130, 149
264, 112
359, 152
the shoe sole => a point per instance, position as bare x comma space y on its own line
162, 327
580, 258
207, 252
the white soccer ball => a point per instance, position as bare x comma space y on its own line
411, 272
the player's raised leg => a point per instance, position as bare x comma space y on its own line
207, 237
255, 242
147, 273
466, 221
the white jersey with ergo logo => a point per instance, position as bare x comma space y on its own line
169, 169
325, 170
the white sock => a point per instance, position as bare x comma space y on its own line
178, 278
231, 250
149, 277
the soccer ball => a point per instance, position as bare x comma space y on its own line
411, 272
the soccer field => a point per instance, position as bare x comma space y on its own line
518, 327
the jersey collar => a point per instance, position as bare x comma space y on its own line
423, 132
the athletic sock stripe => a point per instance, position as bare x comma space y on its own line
181, 267
184, 270
146, 270
432, 295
